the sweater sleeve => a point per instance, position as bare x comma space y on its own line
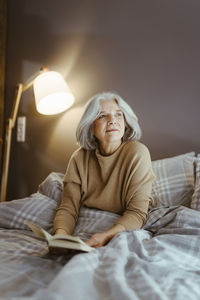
67, 213
137, 191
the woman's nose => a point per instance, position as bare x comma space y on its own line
111, 120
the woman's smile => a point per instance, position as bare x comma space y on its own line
111, 130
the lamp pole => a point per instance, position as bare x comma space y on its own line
8, 134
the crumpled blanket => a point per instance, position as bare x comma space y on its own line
160, 261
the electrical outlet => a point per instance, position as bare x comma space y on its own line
21, 129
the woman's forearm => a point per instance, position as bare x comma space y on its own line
115, 230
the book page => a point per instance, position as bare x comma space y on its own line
65, 244
39, 232
67, 237
59, 240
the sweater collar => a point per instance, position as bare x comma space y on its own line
99, 155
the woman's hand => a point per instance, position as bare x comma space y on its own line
100, 239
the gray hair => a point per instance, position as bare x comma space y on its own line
84, 135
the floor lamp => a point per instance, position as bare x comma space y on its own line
52, 96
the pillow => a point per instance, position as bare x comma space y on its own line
195, 203
93, 220
52, 186
174, 183
37, 208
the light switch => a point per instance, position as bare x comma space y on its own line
21, 129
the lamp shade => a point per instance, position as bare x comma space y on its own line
52, 95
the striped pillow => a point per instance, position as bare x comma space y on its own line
195, 204
52, 186
37, 208
174, 183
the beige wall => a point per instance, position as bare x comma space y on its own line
148, 51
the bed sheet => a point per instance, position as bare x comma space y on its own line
160, 261
25, 265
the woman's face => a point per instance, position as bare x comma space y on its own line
109, 126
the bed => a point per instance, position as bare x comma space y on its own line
159, 261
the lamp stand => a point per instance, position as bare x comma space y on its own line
8, 137
9, 127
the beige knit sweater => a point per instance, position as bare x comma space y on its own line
119, 183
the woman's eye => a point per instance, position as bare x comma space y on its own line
119, 114
102, 116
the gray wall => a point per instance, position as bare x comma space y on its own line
146, 50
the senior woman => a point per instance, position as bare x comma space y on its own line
110, 171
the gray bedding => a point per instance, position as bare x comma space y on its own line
160, 261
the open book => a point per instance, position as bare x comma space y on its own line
59, 243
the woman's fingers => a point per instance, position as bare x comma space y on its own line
92, 242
